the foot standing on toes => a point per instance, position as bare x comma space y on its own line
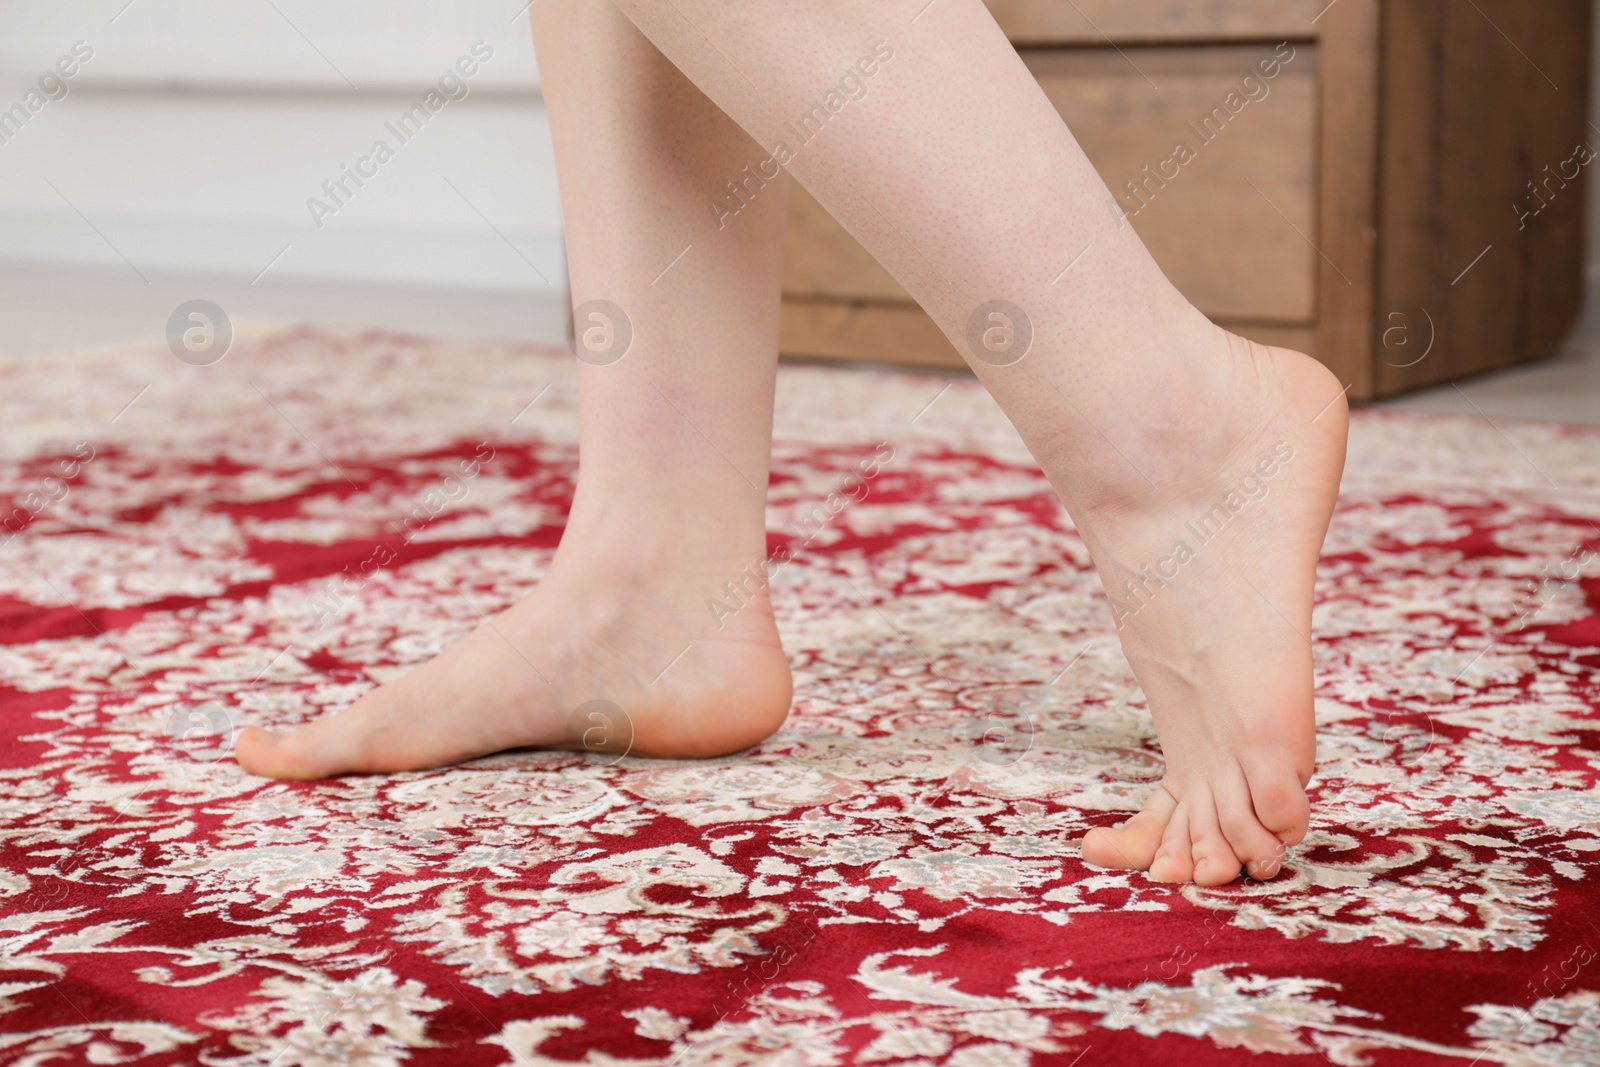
1216, 623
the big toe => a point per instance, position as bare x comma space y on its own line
1119, 847
1131, 846
273, 755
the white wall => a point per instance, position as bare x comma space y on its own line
191, 141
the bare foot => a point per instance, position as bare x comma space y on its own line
638, 639
1208, 549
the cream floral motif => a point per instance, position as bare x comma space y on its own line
1561, 1031
565, 910
1052, 1013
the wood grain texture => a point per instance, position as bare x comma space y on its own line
1231, 227
821, 259
902, 334
1412, 186
871, 333
1482, 188
1553, 247
1347, 229
1098, 22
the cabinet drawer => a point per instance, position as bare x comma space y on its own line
1231, 227
820, 259
1098, 22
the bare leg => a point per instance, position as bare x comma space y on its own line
674, 444
1200, 468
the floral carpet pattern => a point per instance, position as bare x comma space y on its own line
891, 879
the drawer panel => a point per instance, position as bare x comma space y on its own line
890, 333
1231, 227
821, 259
1099, 22
872, 333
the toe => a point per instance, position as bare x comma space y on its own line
273, 755
1256, 847
1215, 862
1131, 846
1173, 861
1278, 797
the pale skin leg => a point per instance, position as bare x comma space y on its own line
674, 445
958, 175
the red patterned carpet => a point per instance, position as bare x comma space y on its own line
870, 886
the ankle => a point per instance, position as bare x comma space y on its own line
618, 550
1171, 424
1118, 422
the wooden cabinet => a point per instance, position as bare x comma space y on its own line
1403, 199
